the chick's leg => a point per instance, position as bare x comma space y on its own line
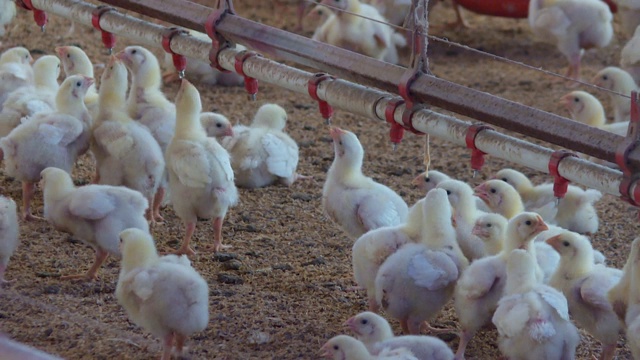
608, 351
373, 305
180, 340
92, 274
157, 202
465, 337
185, 249
3, 268
28, 190
217, 235
166, 347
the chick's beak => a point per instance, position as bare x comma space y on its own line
481, 192
61, 51
418, 180
554, 241
88, 82
565, 100
351, 324
229, 131
477, 230
541, 225
123, 56
335, 132
324, 351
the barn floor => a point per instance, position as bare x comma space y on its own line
281, 291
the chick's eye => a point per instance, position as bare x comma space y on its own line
78, 84
505, 180
448, 192
489, 225
134, 51
605, 77
565, 243
336, 347
340, 142
364, 321
576, 100
528, 222
68, 56
219, 125
427, 179
493, 191
120, 239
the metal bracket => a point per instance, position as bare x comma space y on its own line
108, 39
179, 61
560, 184
312, 86
477, 155
250, 84
218, 42
396, 133
39, 16
630, 142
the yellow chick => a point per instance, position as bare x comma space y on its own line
126, 153
76, 62
501, 198
619, 294
15, 71
619, 81
200, 173
630, 55
164, 295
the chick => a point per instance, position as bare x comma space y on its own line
95, 214
426, 182
417, 281
9, 232
619, 81
164, 295
372, 248
76, 62
573, 26
200, 173
501, 198
532, 318
126, 153
15, 71
630, 56
586, 285
29, 100
619, 294
465, 214
629, 12
575, 212
148, 105
13, 350
343, 347
353, 201
482, 285
376, 334
216, 125
632, 316
396, 10
49, 139
491, 229
263, 154
7, 13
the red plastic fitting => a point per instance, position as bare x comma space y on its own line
312, 86
404, 87
179, 61
629, 143
407, 118
39, 16
477, 155
218, 42
250, 84
396, 133
560, 184
108, 39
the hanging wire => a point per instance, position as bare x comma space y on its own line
468, 48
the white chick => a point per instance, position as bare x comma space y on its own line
586, 285
216, 125
501, 198
573, 26
13, 350
575, 212
465, 215
343, 347
629, 12
164, 295
376, 334
491, 229
482, 285
315, 18
619, 81
630, 55
426, 182
126, 154
201, 71
532, 318
396, 10
263, 154
29, 100
7, 13
200, 173
353, 201
76, 62
355, 33
372, 248
619, 294
49, 139
9, 232
148, 104
95, 214
632, 316
418, 280
15, 71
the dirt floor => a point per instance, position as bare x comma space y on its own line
281, 291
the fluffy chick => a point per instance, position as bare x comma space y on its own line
482, 285
427, 181
76, 62
164, 295
263, 154
200, 173
216, 125
343, 347
416, 281
9, 232
501, 198
619, 81
630, 55
353, 201
619, 294
15, 71
629, 12
491, 229
587, 109
632, 316
95, 214
49, 139
7, 13
376, 334
575, 212
586, 285
573, 26
126, 154
532, 318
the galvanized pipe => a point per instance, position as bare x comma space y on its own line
348, 96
